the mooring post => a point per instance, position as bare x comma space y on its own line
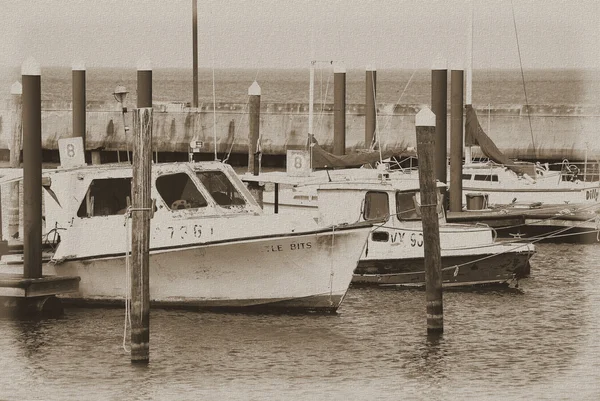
79, 104
140, 234
426, 137
16, 91
254, 93
370, 106
439, 106
339, 110
456, 138
32, 169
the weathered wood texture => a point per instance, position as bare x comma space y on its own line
426, 138
140, 240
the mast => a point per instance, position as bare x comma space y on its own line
311, 99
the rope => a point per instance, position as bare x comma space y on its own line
331, 266
523, 79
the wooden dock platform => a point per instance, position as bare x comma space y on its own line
15, 285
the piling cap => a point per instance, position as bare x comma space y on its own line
457, 66
30, 67
440, 63
425, 118
339, 69
254, 89
78, 65
371, 67
144, 65
16, 88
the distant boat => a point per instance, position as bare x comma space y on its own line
211, 245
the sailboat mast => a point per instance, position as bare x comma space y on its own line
469, 64
311, 99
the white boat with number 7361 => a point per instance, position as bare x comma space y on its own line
211, 245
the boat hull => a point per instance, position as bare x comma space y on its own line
303, 272
484, 269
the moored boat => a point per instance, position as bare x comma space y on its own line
210, 246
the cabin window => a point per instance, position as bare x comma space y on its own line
466, 176
106, 197
179, 192
407, 207
221, 189
380, 236
376, 205
486, 177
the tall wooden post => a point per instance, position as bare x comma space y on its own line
254, 132
79, 101
195, 50
439, 105
456, 139
426, 138
144, 85
32, 169
16, 91
140, 239
339, 110
370, 105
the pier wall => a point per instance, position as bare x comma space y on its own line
558, 131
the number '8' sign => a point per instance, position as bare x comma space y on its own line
70, 150
298, 162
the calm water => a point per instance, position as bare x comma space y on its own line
494, 87
539, 344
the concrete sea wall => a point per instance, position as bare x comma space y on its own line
558, 131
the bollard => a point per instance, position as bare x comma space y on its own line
16, 91
439, 105
32, 169
426, 137
140, 235
370, 106
456, 139
339, 110
253, 136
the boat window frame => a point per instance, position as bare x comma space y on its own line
232, 200
367, 204
112, 204
202, 205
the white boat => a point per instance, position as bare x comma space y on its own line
211, 245
471, 255
502, 186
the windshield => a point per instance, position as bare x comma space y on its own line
221, 189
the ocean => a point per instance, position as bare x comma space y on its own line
493, 87
539, 342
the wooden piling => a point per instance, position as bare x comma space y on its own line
140, 239
339, 110
195, 51
254, 94
16, 91
426, 137
456, 139
32, 169
144, 84
370, 105
439, 105
79, 100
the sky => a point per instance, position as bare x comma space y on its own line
290, 33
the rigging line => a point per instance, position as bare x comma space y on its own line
212, 51
523, 79
389, 117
